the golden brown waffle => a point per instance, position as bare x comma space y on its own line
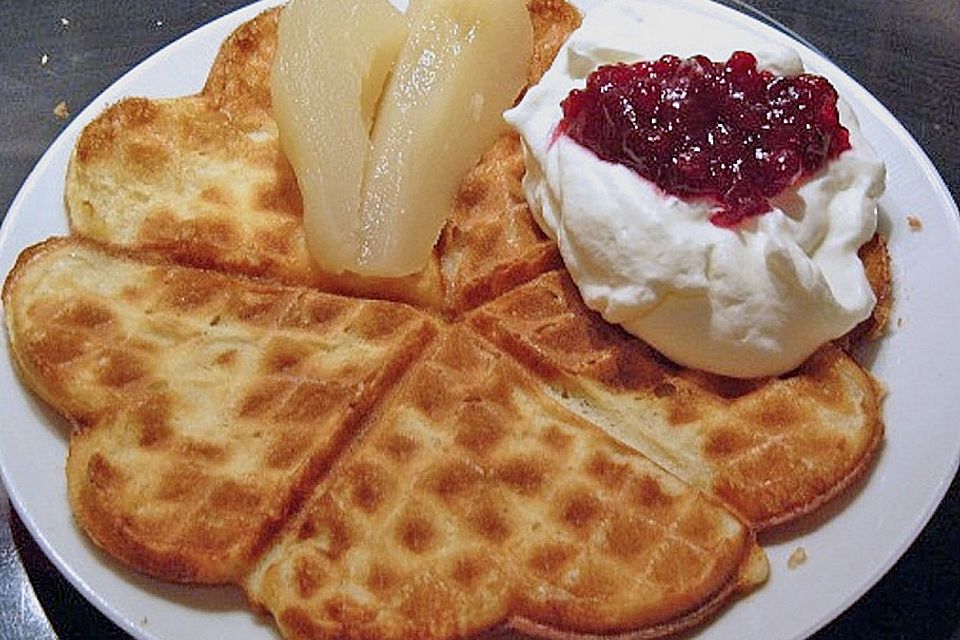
876, 262
372, 469
492, 243
448, 499
474, 500
771, 449
202, 180
202, 405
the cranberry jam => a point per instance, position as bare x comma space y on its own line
725, 131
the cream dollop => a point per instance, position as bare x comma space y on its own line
752, 301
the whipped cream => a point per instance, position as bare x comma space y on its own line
751, 301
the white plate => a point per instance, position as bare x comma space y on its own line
849, 546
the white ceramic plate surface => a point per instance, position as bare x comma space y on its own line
849, 546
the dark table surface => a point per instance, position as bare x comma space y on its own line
904, 52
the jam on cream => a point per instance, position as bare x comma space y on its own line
754, 291
696, 128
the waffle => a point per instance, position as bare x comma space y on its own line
203, 405
771, 449
202, 180
473, 500
492, 243
465, 450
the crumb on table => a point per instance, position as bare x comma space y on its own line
61, 110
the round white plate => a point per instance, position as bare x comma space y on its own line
849, 545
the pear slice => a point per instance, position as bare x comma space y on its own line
463, 64
332, 60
